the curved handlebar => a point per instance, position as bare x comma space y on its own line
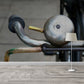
21, 34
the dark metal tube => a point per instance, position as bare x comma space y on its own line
63, 49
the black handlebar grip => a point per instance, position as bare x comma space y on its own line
12, 20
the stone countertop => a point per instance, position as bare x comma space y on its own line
41, 73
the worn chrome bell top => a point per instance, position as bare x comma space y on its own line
55, 29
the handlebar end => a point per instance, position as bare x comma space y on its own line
12, 20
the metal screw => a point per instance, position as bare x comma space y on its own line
58, 26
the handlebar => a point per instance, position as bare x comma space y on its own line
21, 34
16, 26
